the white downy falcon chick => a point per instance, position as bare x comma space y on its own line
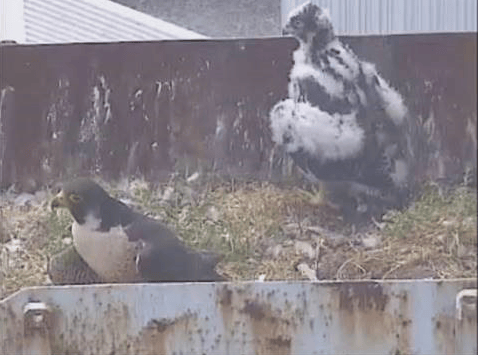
342, 123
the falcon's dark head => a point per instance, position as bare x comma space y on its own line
81, 197
310, 24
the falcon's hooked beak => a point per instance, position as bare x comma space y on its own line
59, 201
287, 31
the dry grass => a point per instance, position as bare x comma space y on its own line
31, 234
262, 229
437, 234
435, 238
266, 231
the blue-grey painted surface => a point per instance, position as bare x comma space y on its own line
386, 317
367, 17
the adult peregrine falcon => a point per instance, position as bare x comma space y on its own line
121, 245
342, 123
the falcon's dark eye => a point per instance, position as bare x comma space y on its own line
74, 198
296, 22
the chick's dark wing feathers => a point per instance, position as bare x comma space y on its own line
313, 92
371, 172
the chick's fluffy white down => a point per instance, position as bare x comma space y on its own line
298, 125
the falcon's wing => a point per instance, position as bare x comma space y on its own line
164, 258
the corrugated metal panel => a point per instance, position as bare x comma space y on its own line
359, 17
63, 21
392, 317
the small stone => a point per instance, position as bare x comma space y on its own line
291, 229
462, 251
305, 249
288, 243
371, 241
168, 194
306, 271
441, 238
193, 177
212, 214
274, 251
448, 223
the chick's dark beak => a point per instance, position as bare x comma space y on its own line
58, 201
288, 30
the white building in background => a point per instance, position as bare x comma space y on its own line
373, 17
12, 25
67, 21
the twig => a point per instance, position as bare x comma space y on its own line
392, 270
339, 271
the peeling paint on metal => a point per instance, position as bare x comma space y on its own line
386, 317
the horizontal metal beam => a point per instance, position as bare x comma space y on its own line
392, 317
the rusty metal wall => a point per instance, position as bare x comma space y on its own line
392, 317
154, 107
